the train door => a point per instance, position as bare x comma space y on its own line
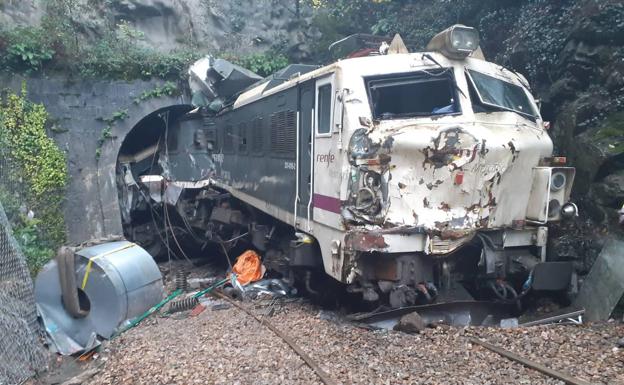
327, 170
304, 161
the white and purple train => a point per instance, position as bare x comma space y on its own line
404, 176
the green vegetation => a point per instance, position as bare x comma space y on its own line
107, 132
167, 89
34, 178
264, 64
26, 48
416, 21
118, 55
612, 130
60, 45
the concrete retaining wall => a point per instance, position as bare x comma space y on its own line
76, 109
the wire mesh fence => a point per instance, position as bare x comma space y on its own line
21, 350
33, 176
22, 353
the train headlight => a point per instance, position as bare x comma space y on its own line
366, 201
372, 180
557, 181
554, 208
569, 210
455, 42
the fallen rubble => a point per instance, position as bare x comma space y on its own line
227, 346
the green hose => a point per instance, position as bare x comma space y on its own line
148, 313
162, 303
211, 288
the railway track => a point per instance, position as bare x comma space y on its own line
480, 313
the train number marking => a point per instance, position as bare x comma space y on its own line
218, 158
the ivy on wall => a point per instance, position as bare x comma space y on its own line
34, 178
167, 89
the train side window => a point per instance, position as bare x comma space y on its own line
257, 136
242, 137
228, 139
324, 109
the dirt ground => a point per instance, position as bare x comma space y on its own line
229, 347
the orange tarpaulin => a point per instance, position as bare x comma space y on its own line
248, 267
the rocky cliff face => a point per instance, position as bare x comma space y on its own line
237, 26
581, 84
574, 54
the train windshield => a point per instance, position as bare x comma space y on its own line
423, 93
500, 94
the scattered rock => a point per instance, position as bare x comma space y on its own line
328, 315
200, 283
197, 310
82, 378
221, 306
411, 323
236, 349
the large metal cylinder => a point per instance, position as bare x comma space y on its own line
116, 281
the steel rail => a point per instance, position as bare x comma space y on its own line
323, 375
565, 377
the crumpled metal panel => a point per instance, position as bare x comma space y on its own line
425, 189
122, 282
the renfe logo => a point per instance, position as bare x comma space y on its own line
325, 158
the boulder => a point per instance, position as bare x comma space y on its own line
411, 323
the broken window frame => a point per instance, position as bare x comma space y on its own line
473, 84
257, 136
228, 135
243, 138
413, 77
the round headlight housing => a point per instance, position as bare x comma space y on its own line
557, 181
569, 210
455, 42
554, 206
366, 201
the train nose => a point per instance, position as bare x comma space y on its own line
462, 177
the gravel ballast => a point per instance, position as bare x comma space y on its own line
230, 347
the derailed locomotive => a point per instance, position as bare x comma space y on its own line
405, 176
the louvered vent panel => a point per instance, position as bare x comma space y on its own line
283, 135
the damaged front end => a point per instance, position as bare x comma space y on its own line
450, 194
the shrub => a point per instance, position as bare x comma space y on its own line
26, 48
33, 179
264, 64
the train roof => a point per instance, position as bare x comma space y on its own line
364, 65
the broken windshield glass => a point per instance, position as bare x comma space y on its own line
501, 94
422, 93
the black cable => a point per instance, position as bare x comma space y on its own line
167, 219
227, 257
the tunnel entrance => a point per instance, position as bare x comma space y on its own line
142, 222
